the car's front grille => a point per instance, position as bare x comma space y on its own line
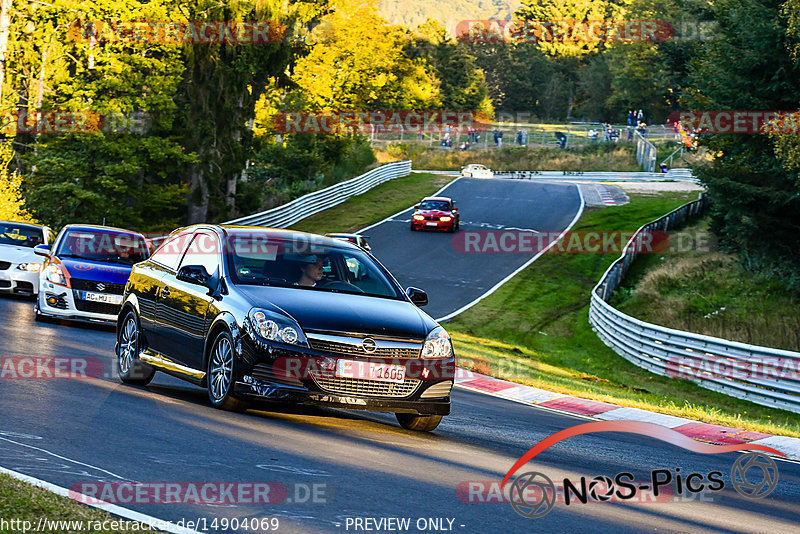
361, 387
4, 265
429, 218
348, 349
5, 283
24, 287
97, 307
98, 287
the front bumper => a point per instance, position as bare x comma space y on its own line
66, 305
305, 376
13, 280
437, 225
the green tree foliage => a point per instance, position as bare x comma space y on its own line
756, 202
462, 82
125, 180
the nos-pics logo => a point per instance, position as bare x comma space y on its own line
532, 494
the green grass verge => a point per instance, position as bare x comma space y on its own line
702, 289
22, 502
374, 205
535, 330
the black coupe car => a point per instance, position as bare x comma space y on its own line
256, 313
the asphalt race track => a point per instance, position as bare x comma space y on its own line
452, 279
338, 467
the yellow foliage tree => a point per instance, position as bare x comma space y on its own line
12, 204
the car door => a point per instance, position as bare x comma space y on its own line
148, 284
183, 306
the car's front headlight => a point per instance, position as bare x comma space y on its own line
55, 274
419, 217
275, 327
445, 218
437, 344
32, 267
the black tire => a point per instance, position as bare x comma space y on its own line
418, 423
221, 373
412, 228
130, 369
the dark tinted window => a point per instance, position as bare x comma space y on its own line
442, 205
108, 247
260, 259
20, 235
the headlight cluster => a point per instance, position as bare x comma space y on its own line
55, 274
437, 344
445, 218
32, 267
419, 217
274, 327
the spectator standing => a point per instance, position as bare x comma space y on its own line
639, 117
630, 117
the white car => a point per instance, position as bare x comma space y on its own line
19, 264
475, 170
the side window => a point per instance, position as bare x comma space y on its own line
203, 250
169, 253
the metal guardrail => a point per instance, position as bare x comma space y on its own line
307, 205
646, 153
763, 375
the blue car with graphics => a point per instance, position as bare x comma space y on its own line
85, 272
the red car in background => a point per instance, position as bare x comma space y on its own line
435, 213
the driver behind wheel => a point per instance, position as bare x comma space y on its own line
311, 272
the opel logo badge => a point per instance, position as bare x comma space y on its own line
369, 345
101, 287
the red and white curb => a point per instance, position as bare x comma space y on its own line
705, 432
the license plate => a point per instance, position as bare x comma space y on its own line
431, 224
102, 297
382, 372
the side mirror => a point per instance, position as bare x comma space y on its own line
42, 250
416, 206
455, 208
417, 296
194, 274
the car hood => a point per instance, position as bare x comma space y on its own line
97, 271
434, 213
16, 254
342, 312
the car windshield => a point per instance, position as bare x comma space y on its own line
20, 235
107, 247
441, 205
306, 263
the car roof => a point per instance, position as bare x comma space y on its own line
29, 225
102, 229
280, 233
447, 199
